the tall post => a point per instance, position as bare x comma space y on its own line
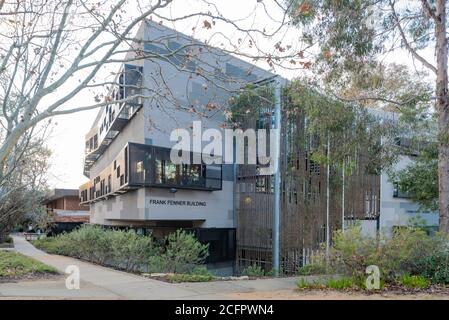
328, 199
343, 199
277, 179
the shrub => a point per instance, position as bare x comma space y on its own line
129, 250
436, 267
408, 251
201, 271
182, 254
120, 249
352, 253
316, 266
253, 271
415, 282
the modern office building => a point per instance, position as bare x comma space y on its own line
134, 184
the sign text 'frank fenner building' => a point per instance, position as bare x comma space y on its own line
177, 203
136, 183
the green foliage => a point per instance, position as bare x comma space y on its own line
351, 252
200, 271
340, 283
182, 277
414, 282
117, 248
126, 250
419, 180
343, 283
182, 254
349, 128
253, 271
435, 266
16, 265
316, 265
352, 34
251, 101
408, 251
302, 284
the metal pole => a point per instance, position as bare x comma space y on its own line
277, 180
343, 200
327, 199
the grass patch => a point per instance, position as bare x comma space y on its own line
180, 277
302, 284
344, 283
414, 282
15, 265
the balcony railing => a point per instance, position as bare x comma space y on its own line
126, 111
139, 165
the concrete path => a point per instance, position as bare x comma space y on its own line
104, 283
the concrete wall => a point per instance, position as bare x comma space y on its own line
166, 110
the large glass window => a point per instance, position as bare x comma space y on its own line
151, 166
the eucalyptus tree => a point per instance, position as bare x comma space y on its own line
352, 35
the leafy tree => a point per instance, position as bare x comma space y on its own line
352, 35
23, 187
419, 180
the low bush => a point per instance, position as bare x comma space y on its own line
314, 268
182, 254
435, 267
126, 250
409, 251
253, 271
413, 282
121, 249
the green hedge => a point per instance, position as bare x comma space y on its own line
126, 250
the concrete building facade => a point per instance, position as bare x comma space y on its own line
134, 184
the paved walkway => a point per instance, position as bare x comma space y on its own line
104, 283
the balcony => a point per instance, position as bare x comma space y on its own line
115, 116
139, 165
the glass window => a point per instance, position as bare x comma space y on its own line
171, 173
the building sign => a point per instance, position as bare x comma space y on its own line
182, 203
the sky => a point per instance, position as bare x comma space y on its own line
67, 138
